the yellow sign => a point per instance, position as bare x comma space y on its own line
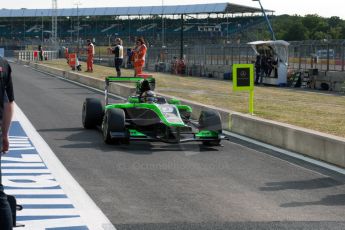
243, 79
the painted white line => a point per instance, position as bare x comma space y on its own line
48, 212
49, 201
25, 171
14, 145
22, 165
288, 153
19, 141
18, 137
30, 181
32, 158
92, 216
21, 149
51, 223
35, 191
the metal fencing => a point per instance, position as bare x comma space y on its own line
321, 55
201, 60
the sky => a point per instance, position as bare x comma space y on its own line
300, 7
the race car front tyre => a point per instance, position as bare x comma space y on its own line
114, 121
210, 120
92, 114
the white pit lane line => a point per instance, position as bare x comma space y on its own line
53, 198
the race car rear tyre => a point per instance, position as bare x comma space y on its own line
114, 121
210, 120
92, 114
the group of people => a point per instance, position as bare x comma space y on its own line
264, 65
178, 66
136, 56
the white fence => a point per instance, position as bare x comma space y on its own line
33, 55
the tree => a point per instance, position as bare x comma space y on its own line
312, 26
335, 21
296, 32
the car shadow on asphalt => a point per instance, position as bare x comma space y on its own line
80, 138
318, 183
331, 200
313, 184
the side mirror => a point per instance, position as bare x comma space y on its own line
174, 101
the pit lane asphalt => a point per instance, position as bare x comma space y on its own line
187, 186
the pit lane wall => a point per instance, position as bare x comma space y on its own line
315, 144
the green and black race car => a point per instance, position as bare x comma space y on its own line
146, 116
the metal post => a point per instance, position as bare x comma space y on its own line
268, 22
42, 27
24, 34
232, 55
77, 3
251, 102
163, 37
78, 29
71, 27
181, 45
299, 57
129, 29
54, 23
342, 56
327, 56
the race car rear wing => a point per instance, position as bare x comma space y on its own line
111, 79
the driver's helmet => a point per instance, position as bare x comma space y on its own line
143, 86
149, 96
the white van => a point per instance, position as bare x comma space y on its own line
323, 53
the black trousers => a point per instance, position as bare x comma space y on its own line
118, 63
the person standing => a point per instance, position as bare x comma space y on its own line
269, 66
90, 55
6, 113
257, 69
263, 67
40, 53
174, 63
118, 51
139, 53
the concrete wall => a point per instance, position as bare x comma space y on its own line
318, 145
335, 80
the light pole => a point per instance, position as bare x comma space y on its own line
24, 34
163, 37
71, 28
109, 36
268, 22
78, 28
78, 3
42, 27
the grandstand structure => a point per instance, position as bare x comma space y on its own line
210, 23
